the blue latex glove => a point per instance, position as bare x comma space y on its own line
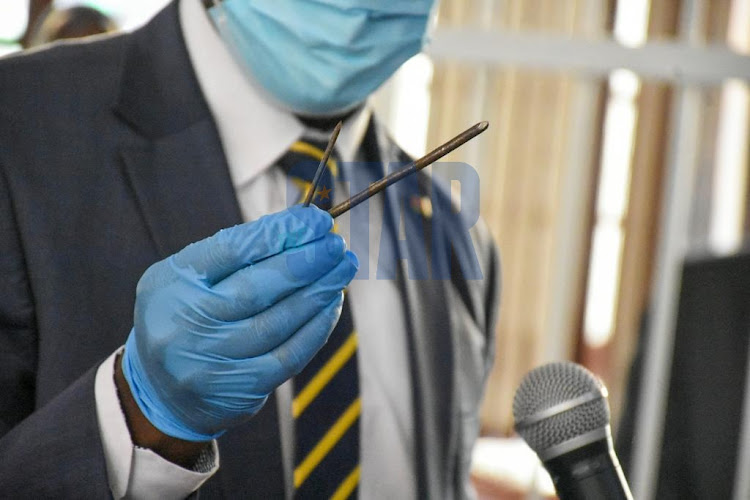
223, 322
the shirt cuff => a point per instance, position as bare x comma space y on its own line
135, 472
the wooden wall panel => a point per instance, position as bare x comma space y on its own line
612, 362
521, 161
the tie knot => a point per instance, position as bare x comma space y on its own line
300, 164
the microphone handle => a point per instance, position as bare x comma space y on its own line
591, 472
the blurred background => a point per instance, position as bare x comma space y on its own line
618, 150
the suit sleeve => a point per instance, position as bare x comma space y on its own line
486, 314
54, 451
493, 283
18, 344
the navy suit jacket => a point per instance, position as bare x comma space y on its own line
109, 161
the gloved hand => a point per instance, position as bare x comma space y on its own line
223, 322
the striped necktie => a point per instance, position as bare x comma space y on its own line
326, 405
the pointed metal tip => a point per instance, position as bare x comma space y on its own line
482, 126
334, 135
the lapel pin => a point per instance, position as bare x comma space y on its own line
422, 205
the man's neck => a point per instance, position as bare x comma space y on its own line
329, 122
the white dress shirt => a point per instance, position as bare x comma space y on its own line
255, 134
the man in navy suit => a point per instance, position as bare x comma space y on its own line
116, 155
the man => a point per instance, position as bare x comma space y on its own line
116, 155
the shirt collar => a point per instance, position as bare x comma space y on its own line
253, 131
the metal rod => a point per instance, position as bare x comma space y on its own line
414, 166
322, 166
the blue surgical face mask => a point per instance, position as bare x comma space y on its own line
322, 57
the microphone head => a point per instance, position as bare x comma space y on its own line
560, 406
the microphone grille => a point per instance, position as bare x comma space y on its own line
548, 386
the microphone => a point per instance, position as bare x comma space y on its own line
561, 411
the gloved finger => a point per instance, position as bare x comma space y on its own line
233, 248
257, 287
289, 358
273, 326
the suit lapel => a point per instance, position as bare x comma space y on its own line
173, 159
182, 187
429, 327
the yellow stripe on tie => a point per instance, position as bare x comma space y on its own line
346, 488
305, 148
303, 186
326, 444
321, 379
